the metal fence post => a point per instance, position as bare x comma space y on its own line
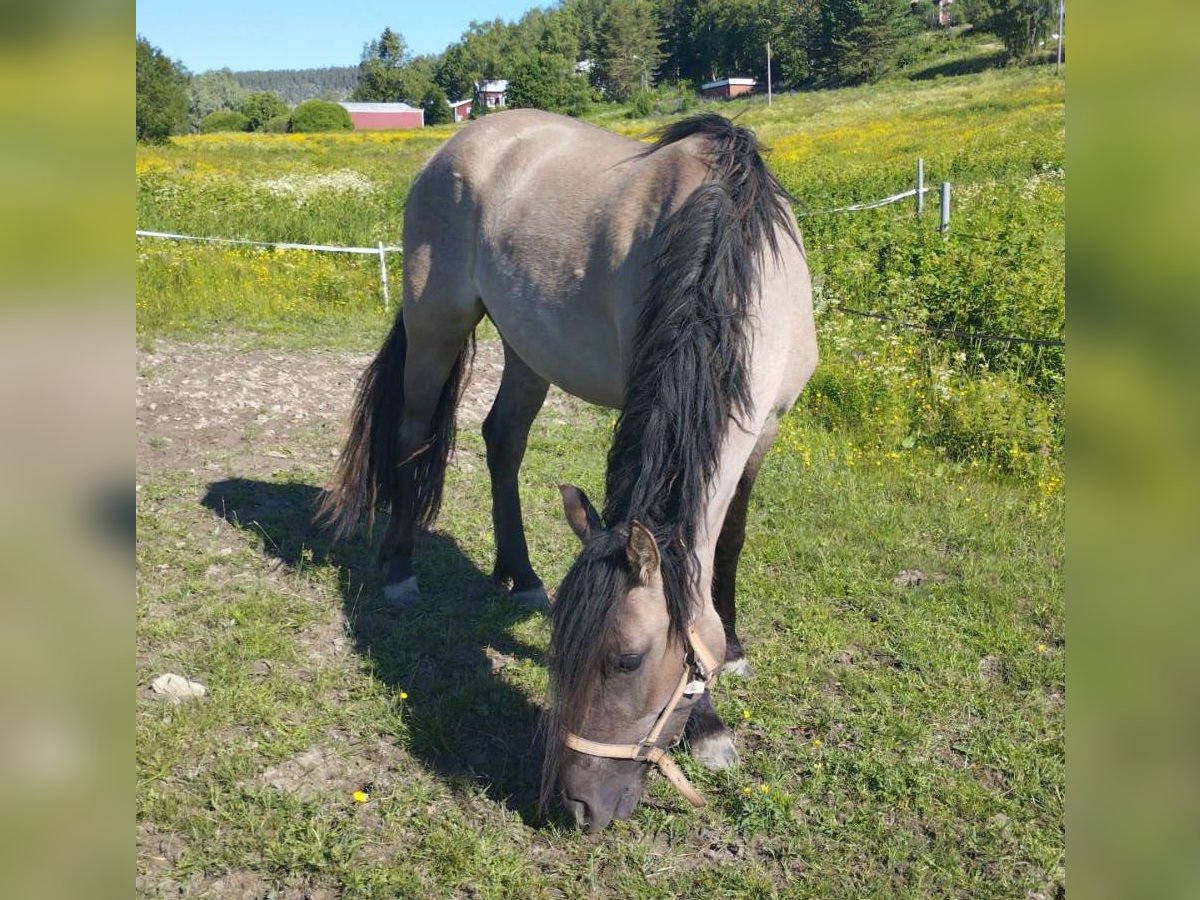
944, 224
920, 185
383, 273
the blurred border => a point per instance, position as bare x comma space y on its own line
1134, 414
66, 497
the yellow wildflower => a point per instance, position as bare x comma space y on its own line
404, 695
745, 714
361, 797
764, 788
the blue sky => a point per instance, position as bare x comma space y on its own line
301, 34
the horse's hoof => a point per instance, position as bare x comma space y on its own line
531, 598
402, 594
716, 752
738, 667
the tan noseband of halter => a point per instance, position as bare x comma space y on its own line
699, 668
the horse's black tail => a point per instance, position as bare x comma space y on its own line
372, 473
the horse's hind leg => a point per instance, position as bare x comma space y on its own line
434, 369
506, 432
729, 553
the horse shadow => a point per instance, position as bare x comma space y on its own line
466, 724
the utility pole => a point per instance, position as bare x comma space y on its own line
1062, 13
768, 73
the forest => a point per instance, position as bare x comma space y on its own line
579, 53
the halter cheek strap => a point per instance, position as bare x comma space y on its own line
699, 668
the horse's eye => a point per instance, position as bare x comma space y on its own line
627, 662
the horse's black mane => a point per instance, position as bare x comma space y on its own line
689, 375
688, 380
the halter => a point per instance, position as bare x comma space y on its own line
699, 668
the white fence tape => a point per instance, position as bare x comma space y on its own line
874, 204
380, 250
282, 245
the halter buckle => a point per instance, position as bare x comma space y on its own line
644, 749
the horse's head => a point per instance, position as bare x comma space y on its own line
621, 676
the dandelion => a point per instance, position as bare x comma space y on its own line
817, 742
745, 714
404, 695
764, 788
747, 790
1042, 648
361, 797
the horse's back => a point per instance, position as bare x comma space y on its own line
550, 224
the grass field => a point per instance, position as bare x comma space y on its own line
903, 735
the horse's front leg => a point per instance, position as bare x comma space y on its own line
506, 432
729, 553
709, 739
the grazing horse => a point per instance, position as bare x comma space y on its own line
667, 281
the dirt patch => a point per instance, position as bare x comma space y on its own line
255, 412
321, 771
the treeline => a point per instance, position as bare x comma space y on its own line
581, 52
294, 86
169, 100
587, 50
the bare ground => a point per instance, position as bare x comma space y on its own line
253, 412
211, 412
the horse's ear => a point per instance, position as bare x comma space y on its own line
581, 515
642, 551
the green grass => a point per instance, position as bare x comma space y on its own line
910, 738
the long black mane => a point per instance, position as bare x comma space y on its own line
688, 381
689, 376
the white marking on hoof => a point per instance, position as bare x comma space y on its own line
738, 667
716, 752
533, 598
402, 593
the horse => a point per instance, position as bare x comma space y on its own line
668, 281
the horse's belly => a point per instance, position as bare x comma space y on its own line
572, 353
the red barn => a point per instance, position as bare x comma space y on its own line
378, 116
461, 109
727, 87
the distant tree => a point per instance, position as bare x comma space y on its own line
161, 103
584, 18
262, 106
628, 52
436, 106
380, 73
224, 120
973, 12
212, 91
277, 124
454, 73
542, 81
319, 115
417, 79
1020, 24
297, 85
857, 40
